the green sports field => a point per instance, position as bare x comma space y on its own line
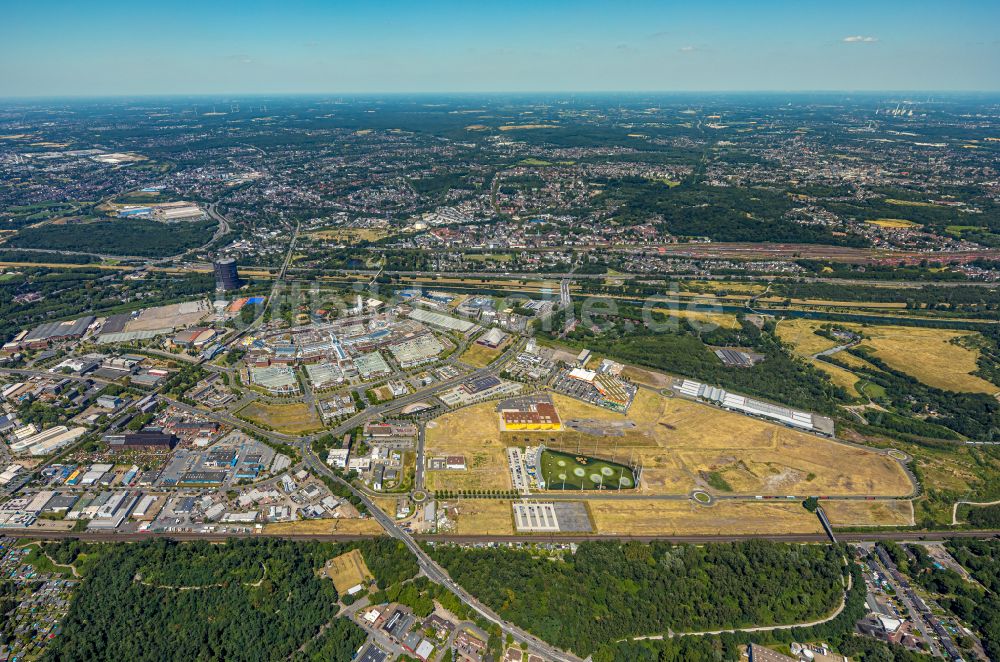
566, 471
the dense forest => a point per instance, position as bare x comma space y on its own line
251, 600
337, 643
688, 352
924, 411
984, 517
609, 591
720, 213
81, 291
972, 298
50, 258
127, 237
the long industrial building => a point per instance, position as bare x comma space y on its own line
753, 407
43, 334
48, 441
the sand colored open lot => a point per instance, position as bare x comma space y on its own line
350, 234
522, 127
681, 445
293, 418
725, 286
620, 517
347, 570
893, 223
649, 378
480, 356
321, 526
475, 433
484, 517
175, 315
869, 513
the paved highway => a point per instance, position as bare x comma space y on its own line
435, 572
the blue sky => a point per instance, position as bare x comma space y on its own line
211, 47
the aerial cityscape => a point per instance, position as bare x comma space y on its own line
428, 368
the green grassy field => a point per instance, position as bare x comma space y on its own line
870, 389
565, 471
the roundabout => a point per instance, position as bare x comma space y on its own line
702, 498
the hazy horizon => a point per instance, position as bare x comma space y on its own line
54, 48
347, 96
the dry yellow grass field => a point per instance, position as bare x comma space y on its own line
475, 433
910, 203
384, 393
726, 286
869, 513
480, 356
347, 571
853, 361
350, 234
294, 418
929, 355
484, 517
893, 223
839, 376
619, 517
925, 353
680, 444
800, 334
366, 526
724, 320
647, 377
803, 464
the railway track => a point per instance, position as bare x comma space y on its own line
869, 536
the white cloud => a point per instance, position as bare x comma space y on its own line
688, 49
859, 39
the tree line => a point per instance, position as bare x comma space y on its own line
609, 591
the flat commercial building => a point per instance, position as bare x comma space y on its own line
173, 212
48, 440
275, 379
416, 351
43, 334
492, 338
194, 337
738, 359
529, 413
758, 653
441, 321
322, 375
147, 439
371, 365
